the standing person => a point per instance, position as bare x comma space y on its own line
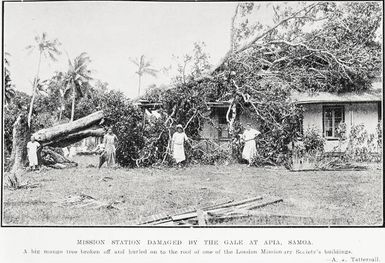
177, 144
250, 149
110, 140
32, 150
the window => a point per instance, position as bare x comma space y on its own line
332, 117
222, 115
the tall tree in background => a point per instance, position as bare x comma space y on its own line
77, 79
9, 91
48, 49
192, 65
56, 88
144, 67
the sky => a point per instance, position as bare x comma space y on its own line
111, 33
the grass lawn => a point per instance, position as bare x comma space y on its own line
352, 197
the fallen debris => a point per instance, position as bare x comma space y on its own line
105, 179
13, 183
82, 200
202, 216
167, 216
307, 163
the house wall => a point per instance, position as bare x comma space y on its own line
210, 131
355, 114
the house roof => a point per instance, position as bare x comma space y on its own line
218, 104
214, 104
374, 94
146, 104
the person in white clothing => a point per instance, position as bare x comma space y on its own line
250, 149
177, 144
32, 149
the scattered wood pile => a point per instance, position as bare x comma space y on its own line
220, 211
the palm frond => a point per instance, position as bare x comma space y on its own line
147, 64
9, 93
49, 48
150, 71
134, 61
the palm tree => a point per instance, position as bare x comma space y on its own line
144, 67
9, 91
77, 79
49, 49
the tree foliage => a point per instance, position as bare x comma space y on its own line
317, 46
49, 49
9, 91
192, 66
125, 119
322, 46
77, 79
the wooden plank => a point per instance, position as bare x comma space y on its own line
242, 213
187, 213
269, 214
166, 223
270, 201
223, 207
201, 217
167, 216
184, 216
248, 206
245, 201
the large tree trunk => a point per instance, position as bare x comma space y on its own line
19, 151
20, 137
80, 128
75, 137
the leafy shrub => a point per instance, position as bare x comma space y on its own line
125, 119
361, 144
313, 141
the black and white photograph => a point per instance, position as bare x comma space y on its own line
192, 114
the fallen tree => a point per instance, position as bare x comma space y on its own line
69, 133
57, 136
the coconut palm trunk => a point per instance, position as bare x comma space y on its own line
139, 83
73, 101
34, 92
